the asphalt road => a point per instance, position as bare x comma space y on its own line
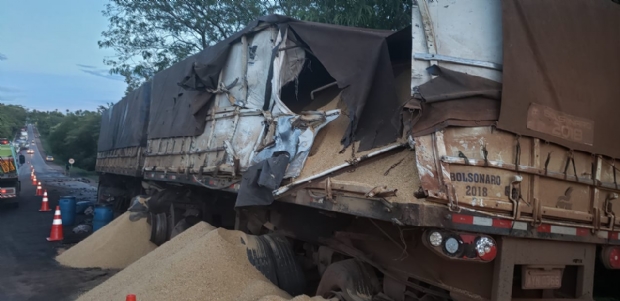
28, 270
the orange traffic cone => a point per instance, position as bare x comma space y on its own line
31, 175
130, 297
56, 233
44, 205
39, 191
34, 180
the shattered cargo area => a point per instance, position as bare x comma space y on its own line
358, 59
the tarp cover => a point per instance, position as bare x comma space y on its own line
124, 125
454, 99
359, 60
561, 79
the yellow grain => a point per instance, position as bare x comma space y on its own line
114, 246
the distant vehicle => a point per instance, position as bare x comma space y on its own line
49, 158
30, 151
9, 181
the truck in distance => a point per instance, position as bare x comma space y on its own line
10, 185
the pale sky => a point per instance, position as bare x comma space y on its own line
50, 58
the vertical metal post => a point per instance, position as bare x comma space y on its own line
503, 271
585, 275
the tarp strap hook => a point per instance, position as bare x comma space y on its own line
518, 154
547, 162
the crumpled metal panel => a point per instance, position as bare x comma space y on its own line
286, 139
306, 139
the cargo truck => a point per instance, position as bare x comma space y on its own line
10, 185
470, 156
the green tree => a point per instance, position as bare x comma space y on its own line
71, 135
12, 118
148, 36
45, 120
76, 137
377, 14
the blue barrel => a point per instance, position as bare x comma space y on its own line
67, 210
103, 216
81, 206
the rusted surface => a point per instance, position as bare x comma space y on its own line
518, 252
544, 119
498, 173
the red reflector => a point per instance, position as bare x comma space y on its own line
462, 219
502, 223
2, 190
614, 258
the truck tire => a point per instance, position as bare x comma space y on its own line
350, 280
261, 257
290, 274
159, 228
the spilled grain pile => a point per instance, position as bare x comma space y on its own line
114, 246
199, 264
298, 298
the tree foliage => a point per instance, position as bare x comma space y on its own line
148, 36
71, 135
377, 14
12, 118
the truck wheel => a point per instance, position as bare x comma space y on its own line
261, 256
291, 277
350, 280
159, 228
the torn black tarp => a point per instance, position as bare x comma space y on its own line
261, 179
358, 59
562, 73
124, 125
454, 99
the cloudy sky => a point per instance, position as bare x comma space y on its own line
49, 58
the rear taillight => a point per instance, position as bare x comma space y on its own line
3, 191
464, 246
485, 248
611, 257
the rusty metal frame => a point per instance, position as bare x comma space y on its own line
525, 252
132, 161
434, 168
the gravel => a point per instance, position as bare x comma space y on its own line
115, 246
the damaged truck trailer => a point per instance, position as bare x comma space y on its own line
456, 159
